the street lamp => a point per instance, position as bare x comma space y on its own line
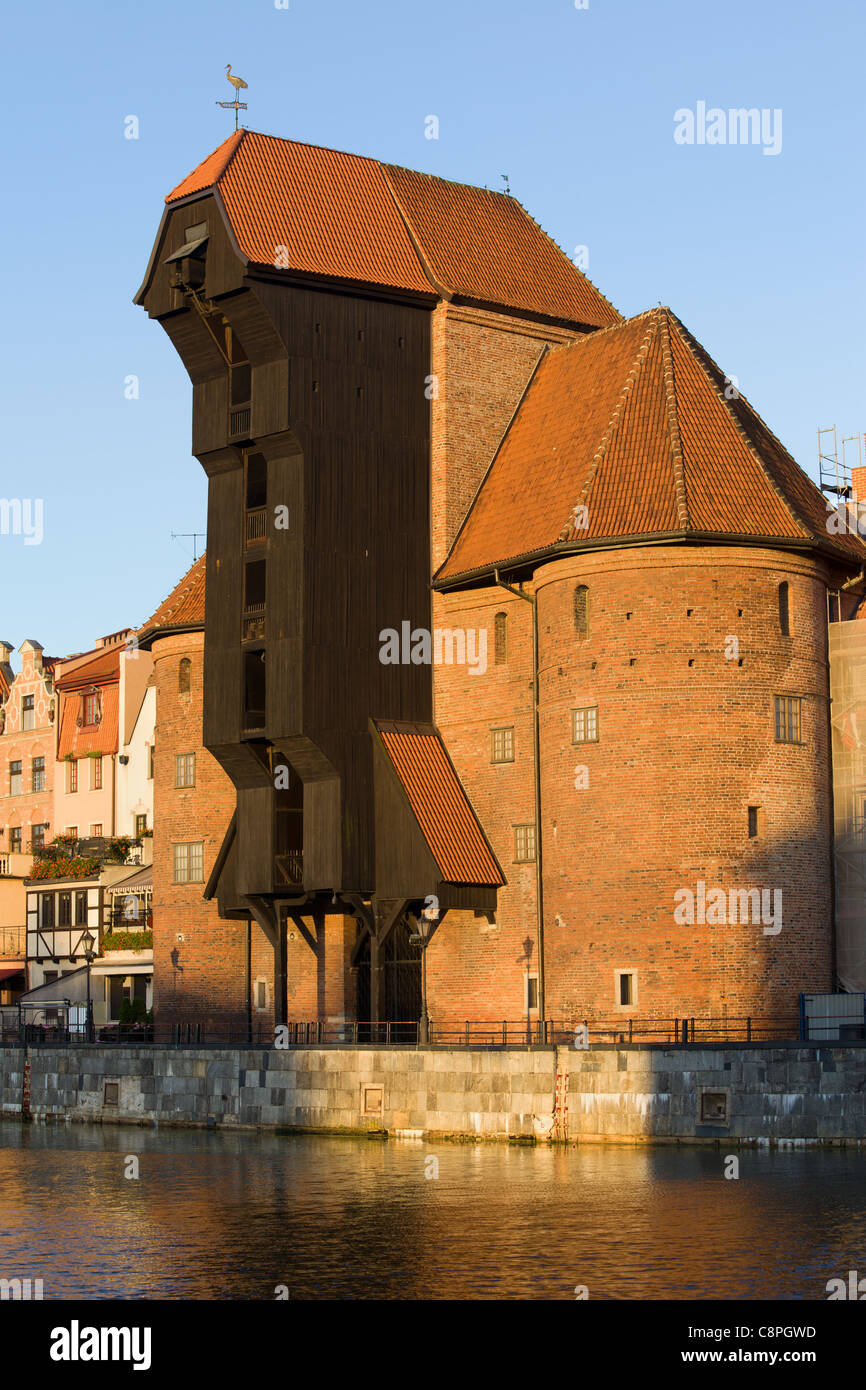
88, 941
422, 938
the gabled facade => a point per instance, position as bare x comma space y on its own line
27, 717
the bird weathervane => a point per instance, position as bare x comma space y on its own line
236, 106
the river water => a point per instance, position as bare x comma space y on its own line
235, 1216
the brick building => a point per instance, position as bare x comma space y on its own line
610, 763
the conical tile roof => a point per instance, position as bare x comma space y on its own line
634, 432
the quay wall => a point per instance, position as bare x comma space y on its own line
757, 1093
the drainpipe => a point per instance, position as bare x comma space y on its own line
539, 881
113, 794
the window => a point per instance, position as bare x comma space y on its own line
254, 586
254, 690
260, 995
502, 741
64, 909
72, 775
531, 991
184, 770
91, 714
500, 639
788, 718
257, 482
240, 371
46, 910
37, 774
784, 616
150, 762
28, 712
626, 988
15, 779
95, 774
183, 675
524, 844
72, 830
581, 611
584, 725
189, 863
15, 839
96, 830
81, 908
140, 826
753, 822
38, 836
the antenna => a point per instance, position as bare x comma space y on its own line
189, 535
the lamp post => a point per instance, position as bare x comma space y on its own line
88, 941
422, 938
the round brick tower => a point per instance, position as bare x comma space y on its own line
679, 562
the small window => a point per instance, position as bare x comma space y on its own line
140, 826
500, 639
255, 573
37, 775
531, 991
626, 988
111, 1093
584, 725
254, 690
15, 839
95, 774
96, 830
257, 481
16, 785
784, 616
753, 822
189, 862
37, 836
46, 910
581, 611
91, 713
64, 909
72, 775
72, 831
524, 844
184, 770
788, 710
502, 745
81, 908
28, 712
184, 672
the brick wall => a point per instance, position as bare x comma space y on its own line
683, 751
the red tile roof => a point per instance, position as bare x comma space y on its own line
184, 607
348, 217
101, 738
439, 804
633, 424
101, 666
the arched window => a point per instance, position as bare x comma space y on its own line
784, 616
500, 639
183, 675
581, 610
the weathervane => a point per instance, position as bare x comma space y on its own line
236, 106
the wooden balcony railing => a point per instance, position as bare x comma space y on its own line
257, 520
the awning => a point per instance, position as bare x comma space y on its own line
71, 988
145, 969
7, 972
138, 882
189, 248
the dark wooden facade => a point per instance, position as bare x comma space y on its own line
312, 422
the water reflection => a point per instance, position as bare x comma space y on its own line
218, 1216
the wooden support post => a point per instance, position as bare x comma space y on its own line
377, 979
281, 973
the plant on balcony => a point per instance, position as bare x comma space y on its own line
118, 848
127, 941
59, 860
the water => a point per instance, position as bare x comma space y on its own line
232, 1216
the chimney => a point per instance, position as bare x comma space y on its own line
6, 650
858, 484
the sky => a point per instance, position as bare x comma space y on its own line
759, 253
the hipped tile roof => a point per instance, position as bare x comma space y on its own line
322, 212
103, 665
183, 608
635, 425
440, 805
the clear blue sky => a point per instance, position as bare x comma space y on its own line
761, 256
